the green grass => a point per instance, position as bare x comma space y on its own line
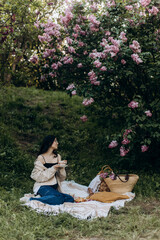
138, 220
26, 116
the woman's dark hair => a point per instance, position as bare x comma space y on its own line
46, 144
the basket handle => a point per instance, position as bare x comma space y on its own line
106, 167
126, 178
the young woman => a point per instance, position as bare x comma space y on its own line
48, 173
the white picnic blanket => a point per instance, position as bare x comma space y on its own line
83, 210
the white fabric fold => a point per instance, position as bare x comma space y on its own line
84, 210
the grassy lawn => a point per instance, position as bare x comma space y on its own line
138, 220
26, 116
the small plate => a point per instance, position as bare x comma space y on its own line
62, 165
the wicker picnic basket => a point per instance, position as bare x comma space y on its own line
103, 187
122, 183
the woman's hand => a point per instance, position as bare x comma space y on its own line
63, 162
57, 167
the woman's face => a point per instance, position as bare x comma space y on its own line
55, 144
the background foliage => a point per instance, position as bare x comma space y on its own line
28, 114
19, 38
111, 51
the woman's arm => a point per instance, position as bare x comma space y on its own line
40, 173
61, 172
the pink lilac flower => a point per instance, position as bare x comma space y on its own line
97, 63
42, 25
44, 38
79, 65
144, 148
83, 33
103, 68
129, 7
125, 141
84, 118
93, 20
34, 59
46, 66
113, 144
104, 42
94, 7
103, 55
87, 102
95, 54
145, 3
103, 175
154, 10
71, 86
80, 44
54, 57
75, 35
93, 28
96, 83
59, 64
52, 74
36, 24
67, 60
52, 31
123, 151
131, 21
133, 104
77, 28
136, 58
108, 33
123, 36
110, 4
94, 23
71, 50
74, 92
135, 47
114, 41
93, 78
148, 113
48, 52
123, 61
126, 132
85, 53
54, 66
112, 49
67, 18
112, 176
69, 40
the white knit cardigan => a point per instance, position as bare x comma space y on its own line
46, 176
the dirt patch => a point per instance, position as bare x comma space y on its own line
25, 141
148, 207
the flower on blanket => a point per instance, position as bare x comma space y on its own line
107, 174
103, 175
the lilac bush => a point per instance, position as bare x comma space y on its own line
109, 53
